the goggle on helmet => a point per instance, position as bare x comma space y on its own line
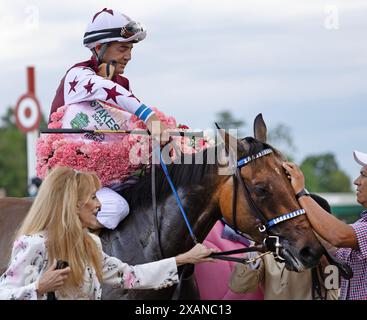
108, 25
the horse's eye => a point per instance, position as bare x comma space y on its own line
260, 191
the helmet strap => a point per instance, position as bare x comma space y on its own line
101, 53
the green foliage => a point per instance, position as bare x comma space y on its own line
13, 157
280, 136
227, 121
323, 174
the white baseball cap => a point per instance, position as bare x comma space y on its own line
360, 158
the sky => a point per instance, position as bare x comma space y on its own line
299, 63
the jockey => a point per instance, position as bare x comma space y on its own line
110, 35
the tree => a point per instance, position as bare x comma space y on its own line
323, 174
227, 121
279, 136
13, 157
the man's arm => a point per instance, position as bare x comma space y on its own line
83, 84
330, 228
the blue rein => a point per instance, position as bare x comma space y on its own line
178, 200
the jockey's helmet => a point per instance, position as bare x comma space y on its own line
110, 25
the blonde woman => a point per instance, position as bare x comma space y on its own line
56, 228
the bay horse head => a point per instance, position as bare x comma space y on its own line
259, 201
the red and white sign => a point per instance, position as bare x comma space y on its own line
28, 113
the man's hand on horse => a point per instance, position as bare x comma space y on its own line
296, 176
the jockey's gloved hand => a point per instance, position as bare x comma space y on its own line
165, 137
107, 70
158, 130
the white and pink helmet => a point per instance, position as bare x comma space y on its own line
110, 25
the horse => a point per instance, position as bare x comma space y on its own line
207, 196
12, 213
249, 200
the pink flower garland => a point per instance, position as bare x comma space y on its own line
112, 161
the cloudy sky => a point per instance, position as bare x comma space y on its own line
300, 63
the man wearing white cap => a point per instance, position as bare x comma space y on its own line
351, 239
110, 35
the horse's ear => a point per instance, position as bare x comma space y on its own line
260, 130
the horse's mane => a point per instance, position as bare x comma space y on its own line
186, 172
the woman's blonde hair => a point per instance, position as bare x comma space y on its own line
55, 211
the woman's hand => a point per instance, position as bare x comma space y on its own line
296, 176
52, 279
199, 253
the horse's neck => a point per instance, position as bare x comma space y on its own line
202, 212
206, 222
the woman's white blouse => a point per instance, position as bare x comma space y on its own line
29, 261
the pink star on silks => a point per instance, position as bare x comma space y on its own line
112, 93
73, 85
104, 10
89, 86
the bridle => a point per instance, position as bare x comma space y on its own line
266, 224
271, 243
